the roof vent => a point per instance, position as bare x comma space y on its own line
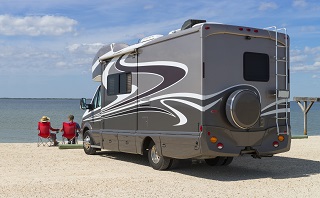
191, 22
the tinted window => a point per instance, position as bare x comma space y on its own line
96, 102
256, 67
113, 84
119, 84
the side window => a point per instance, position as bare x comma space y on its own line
96, 101
120, 83
256, 67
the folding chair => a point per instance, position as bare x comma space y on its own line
44, 137
69, 132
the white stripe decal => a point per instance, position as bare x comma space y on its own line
275, 111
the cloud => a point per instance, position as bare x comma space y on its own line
299, 3
298, 58
306, 60
268, 6
36, 25
312, 50
307, 68
85, 48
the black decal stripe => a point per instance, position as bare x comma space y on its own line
170, 75
140, 109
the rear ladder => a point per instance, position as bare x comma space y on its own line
282, 95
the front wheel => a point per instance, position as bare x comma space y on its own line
87, 142
156, 161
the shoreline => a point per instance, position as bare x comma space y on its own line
31, 171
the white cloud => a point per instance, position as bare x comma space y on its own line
312, 50
307, 68
36, 25
299, 3
306, 60
268, 6
298, 58
85, 48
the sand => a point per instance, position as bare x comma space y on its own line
30, 171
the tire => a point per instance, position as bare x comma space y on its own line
87, 142
227, 161
217, 161
157, 161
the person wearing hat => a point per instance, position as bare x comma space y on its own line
53, 136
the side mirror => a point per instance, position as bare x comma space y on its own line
83, 104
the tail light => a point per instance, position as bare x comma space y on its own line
275, 144
220, 146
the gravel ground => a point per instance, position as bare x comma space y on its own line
30, 171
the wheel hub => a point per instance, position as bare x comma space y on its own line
86, 142
154, 155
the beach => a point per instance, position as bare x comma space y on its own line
31, 171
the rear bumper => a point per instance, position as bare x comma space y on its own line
236, 143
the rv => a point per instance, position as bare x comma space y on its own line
206, 91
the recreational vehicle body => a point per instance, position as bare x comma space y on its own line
206, 91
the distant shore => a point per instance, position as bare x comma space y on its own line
31, 171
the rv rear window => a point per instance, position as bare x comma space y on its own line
119, 84
256, 67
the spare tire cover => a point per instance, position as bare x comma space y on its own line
243, 109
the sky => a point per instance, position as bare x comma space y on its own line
47, 47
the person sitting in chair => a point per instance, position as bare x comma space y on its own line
53, 136
70, 120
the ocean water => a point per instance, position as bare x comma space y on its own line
19, 117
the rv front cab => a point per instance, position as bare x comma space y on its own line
84, 105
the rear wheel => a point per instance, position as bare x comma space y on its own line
217, 161
87, 142
157, 161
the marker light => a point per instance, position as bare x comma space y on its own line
214, 111
241, 29
220, 146
209, 133
248, 29
281, 138
207, 28
200, 128
256, 31
275, 144
214, 140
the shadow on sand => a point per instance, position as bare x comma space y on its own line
242, 168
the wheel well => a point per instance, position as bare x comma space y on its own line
146, 143
84, 131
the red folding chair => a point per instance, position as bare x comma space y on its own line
69, 132
44, 137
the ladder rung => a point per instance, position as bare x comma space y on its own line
281, 90
282, 104
281, 46
282, 133
283, 75
280, 60
282, 118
